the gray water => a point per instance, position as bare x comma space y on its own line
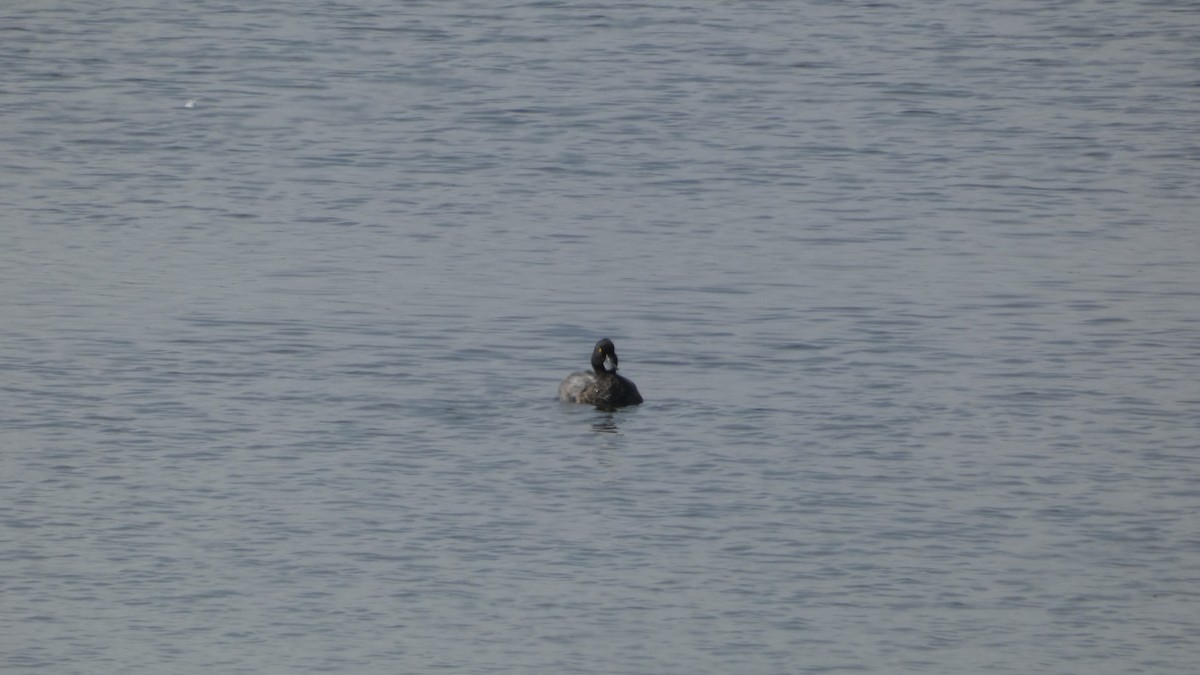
910, 290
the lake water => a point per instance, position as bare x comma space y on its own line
911, 291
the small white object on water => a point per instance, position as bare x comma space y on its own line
191, 103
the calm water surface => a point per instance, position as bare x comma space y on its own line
910, 291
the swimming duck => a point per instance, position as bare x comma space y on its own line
602, 387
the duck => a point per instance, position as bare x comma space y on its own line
602, 387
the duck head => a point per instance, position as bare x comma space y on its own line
603, 355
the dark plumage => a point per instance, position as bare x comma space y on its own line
602, 387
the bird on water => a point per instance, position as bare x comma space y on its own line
602, 387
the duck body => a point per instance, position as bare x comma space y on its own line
602, 387
604, 390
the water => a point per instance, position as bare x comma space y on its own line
910, 292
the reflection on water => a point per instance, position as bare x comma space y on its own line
606, 423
